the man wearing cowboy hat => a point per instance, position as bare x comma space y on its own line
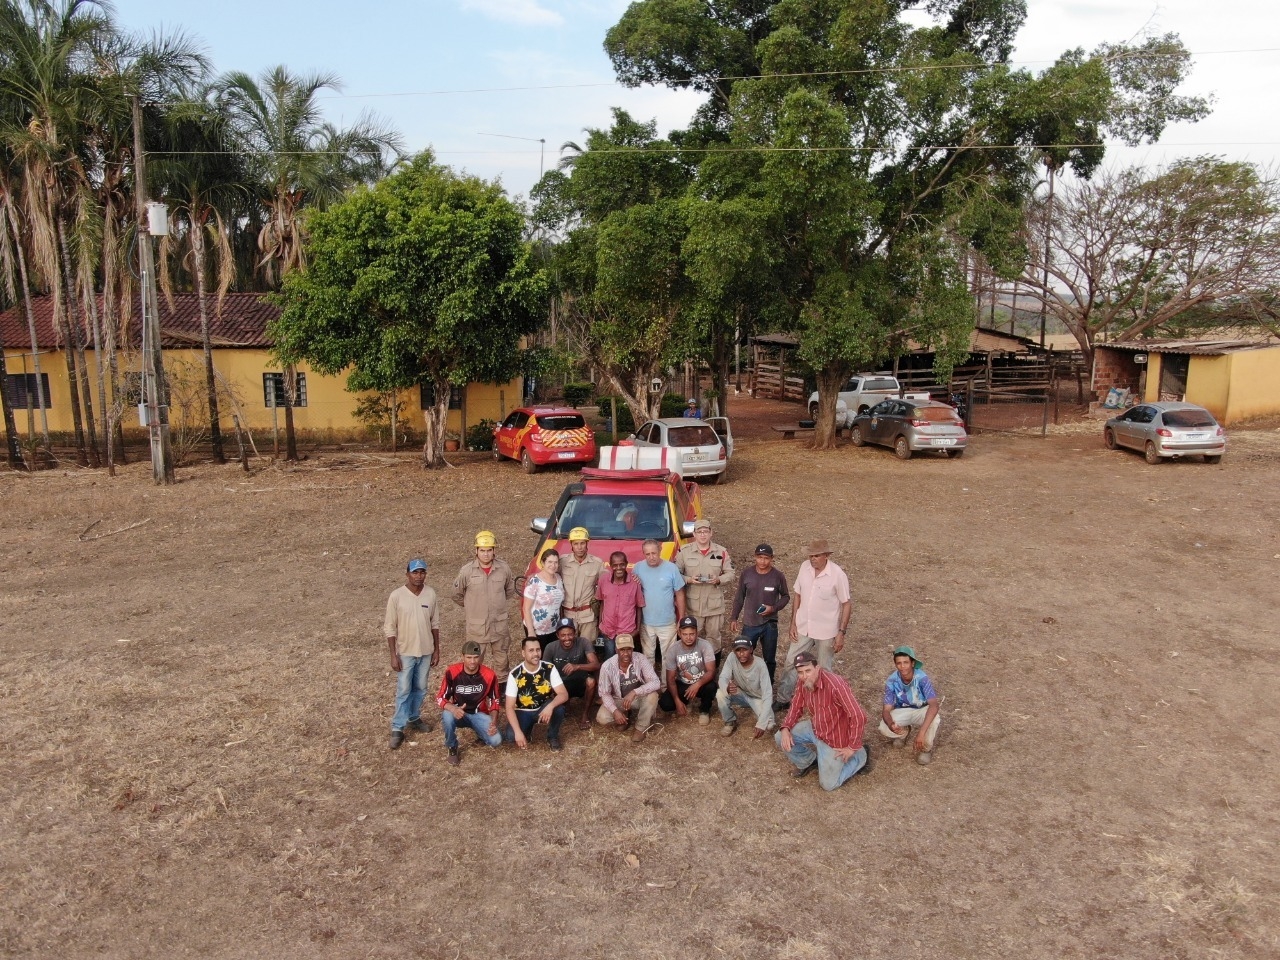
484, 588
579, 574
820, 617
823, 729
910, 703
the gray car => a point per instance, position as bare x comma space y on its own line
1167, 430
909, 426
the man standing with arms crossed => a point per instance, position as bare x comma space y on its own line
820, 617
579, 573
484, 588
707, 570
412, 629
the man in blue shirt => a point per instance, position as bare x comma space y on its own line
910, 703
663, 587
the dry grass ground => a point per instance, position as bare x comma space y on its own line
195, 710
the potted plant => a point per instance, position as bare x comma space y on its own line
451, 441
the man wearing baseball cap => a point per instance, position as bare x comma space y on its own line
762, 592
823, 729
628, 685
579, 573
469, 697
745, 683
575, 657
484, 588
820, 618
412, 628
707, 570
910, 703
689, 666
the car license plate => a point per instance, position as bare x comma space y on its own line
566, 456
1194, 436
694, 456
944, 442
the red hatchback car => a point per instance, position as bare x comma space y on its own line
538, 436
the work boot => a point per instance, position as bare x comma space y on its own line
455, 757
418, 726
397, 738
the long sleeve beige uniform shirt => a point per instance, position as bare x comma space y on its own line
486, 598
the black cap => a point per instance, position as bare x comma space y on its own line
764, 550
804, 657
742, 640
689, 622
566, 622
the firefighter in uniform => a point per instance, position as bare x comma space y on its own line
579, 572
484, 589
707, 570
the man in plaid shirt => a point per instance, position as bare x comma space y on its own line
823, 729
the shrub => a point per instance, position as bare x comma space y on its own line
480, 435
673, 405
578, 394
626, 422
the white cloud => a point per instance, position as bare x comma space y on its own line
523, 12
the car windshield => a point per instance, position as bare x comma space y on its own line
936, 414
617, 517
879, 383
691, 437
1188, 418
562, 421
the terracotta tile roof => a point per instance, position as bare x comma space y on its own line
1209, 348
242, 323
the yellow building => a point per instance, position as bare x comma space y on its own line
250, 379
1233, 379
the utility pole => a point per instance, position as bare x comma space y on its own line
154, 391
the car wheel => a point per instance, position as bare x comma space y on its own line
856, 437
526, 461
497, 454
902, 447
1153, 455
1213, 458
955, 453
813, 411
1109, 438
718, 478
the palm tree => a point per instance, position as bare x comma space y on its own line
299, 162
207, 186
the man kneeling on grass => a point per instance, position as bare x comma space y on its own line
744, 682
628, 685
575, 658
535, 695
468, 697
829, 738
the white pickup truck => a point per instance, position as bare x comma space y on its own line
862, 392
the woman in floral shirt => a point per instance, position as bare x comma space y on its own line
543, 595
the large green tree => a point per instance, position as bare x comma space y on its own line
425, 278
873, 144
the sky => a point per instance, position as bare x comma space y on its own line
408, 61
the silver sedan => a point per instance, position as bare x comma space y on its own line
1167, 430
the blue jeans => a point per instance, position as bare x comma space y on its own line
763, 712
411, 689
528, 719
767, 634
832, 771
479, 722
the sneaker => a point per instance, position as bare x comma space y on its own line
728, 728
805, 771
397, 738
418, 726
924, 757
638, 736
704, 719
455, 757
554, 744
866, 767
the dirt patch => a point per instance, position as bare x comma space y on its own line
195, 713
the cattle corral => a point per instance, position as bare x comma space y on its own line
195, 712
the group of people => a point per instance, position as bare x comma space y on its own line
583, 623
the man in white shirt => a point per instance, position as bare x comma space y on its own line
412, 629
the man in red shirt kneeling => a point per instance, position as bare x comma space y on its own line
823, 729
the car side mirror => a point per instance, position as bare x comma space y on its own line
686, 528
539, 524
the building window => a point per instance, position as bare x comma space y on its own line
273, 390
429, 397
22, 388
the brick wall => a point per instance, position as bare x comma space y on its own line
1113, 368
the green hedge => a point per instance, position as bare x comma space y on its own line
578, 394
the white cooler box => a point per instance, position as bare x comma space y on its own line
641, 458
